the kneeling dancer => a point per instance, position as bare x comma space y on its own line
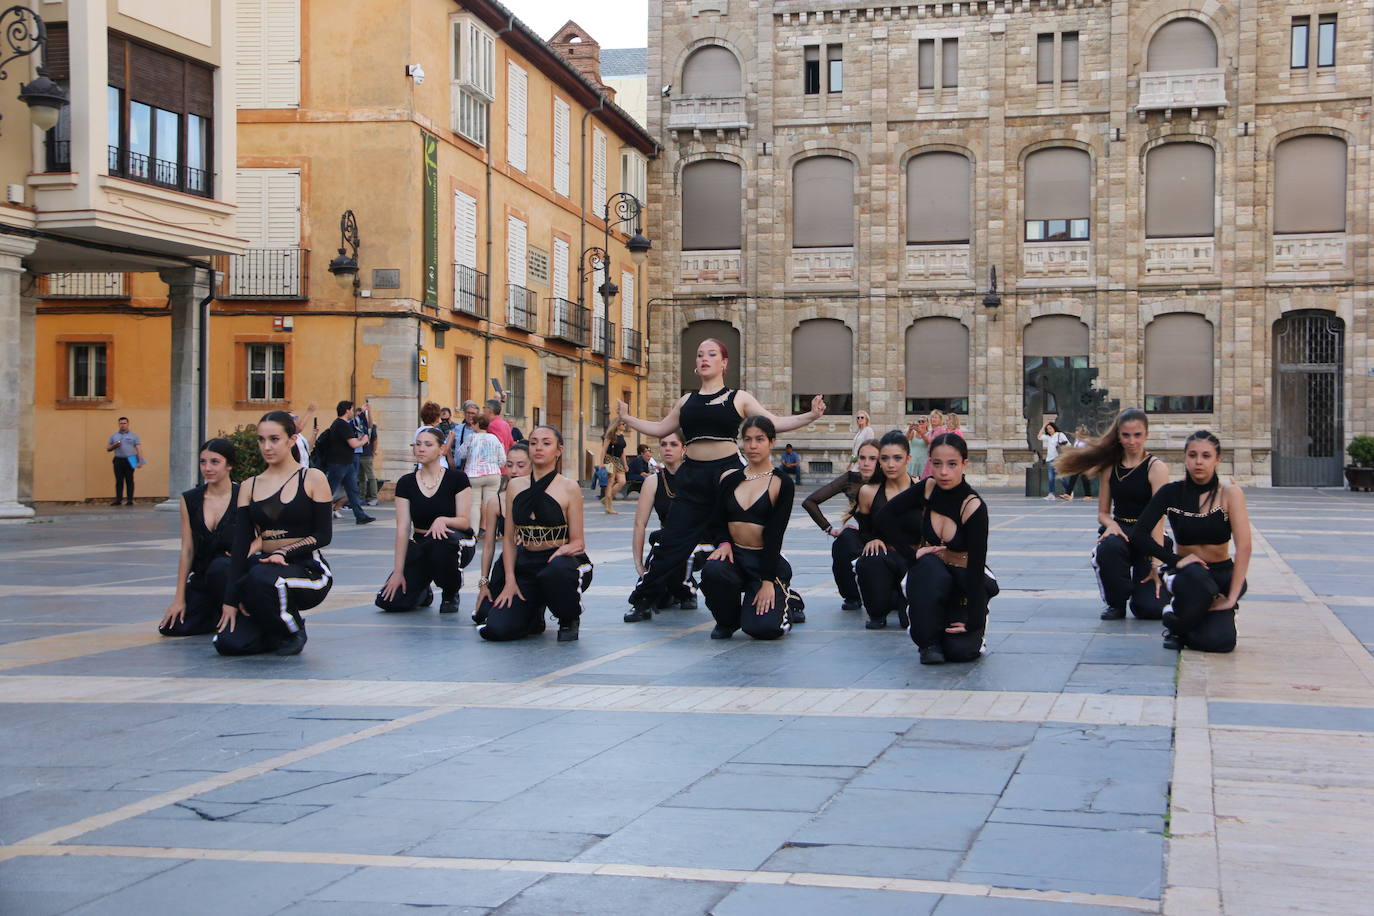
207, 537
848, 543
267, 591
548, 568
746, 579
949, 585
656, 497
434, 539
1205, 581
879, 570
492, 571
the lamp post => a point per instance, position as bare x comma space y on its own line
346, 265
626, 209
25, 33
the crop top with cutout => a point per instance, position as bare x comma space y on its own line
773, 516
537, 516
300, 518
711, 417
1180, 501
904, 524
867, 530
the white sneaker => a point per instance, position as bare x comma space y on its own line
338, 513
1050, 497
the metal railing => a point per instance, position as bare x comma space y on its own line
522, 308
125, 163
631, 350
84, 286
569, 321
264, 273
470, 292
603, 337
57, 155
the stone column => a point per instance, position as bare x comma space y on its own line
28, 314
186, 287
14, 364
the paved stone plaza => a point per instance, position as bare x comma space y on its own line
401, 762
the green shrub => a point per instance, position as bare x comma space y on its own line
247, 459
1361, 451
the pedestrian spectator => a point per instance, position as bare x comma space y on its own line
461, 433
446, 423
638, 467
935, 426
341, 460
791, 462
497, 426
128, 455
1080, 440
1052, 440
482, 459
920, 451
865, 434
368, 485
305, 422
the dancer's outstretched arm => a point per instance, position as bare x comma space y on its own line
648, 427
749, 406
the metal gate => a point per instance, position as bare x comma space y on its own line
1309, 350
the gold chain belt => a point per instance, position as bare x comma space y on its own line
540, 533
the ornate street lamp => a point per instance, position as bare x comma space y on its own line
346, 264
626, 209
24, 34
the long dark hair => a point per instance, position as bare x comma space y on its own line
222, 447
891, 437
953, 440
1213, 487
1103, 452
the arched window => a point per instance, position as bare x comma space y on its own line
823, 363
1180, 190
1183, 44
712, 70
1058, 194
823, 203
1178, 364
937, 366
691, 338
1309, 184
937, 198
711, 202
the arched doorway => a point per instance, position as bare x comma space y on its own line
1309, 354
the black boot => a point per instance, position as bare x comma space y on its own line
567, 632
721, 632
450, 604
1112, 613
852, 604
688, 604
293, 643
428, 599
876, 623
636, 614
932, 655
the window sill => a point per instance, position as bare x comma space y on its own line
242, 404
85, 404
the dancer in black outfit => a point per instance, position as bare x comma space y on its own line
709, 419
880, 571
848, 543
746, 580
656, 498
434, 538
1128, 476
268, 590
1206, 516
548, 568
943, 524
493, 571
207, 536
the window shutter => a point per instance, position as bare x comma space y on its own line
1178, 355
282, 222
1309, 184
937, 198
598, 172
925, 64
1057, 181
822, 357
560, 269
937, 359
1044, 57
517, 91
1179, 190
157, 78
598, 303
711, 200
562, 142
949, 62
516, 251
1068, 57
57, 52
627, 300
1183, 44
281, 38
1056, 335
249, 64
251, 219
823, 203
465, 229
712, 70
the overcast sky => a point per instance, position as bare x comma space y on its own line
613, 23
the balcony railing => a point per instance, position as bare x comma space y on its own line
724, 267
707, 113
1182, 89
522, 308
84, 286
57, 155
821, 265
603, 337
938, 262
1308, 252
1172, 257
470, 292
264, 273
1056, 259
631, 351
175, 176
569, 321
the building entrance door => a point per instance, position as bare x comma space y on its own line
1309, 352
553, 402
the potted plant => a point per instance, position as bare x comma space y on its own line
1360, 473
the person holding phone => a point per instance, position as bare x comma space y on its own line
128, 455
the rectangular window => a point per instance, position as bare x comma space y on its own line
462, 382
562, 145
1068, 57
114, 100
949, 63
1044, 58
1057, 230
634, 174
598, 173
86, 374
834, 60
925, 63
1298, 52
515, 393
473, 78
598, 404
517, 126
811, 71
266, 372
268, 54
161, 106
1326, 40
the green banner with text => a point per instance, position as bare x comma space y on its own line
431, 150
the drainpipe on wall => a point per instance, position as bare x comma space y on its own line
203, 367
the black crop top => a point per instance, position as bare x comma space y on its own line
425, 509
1180, 502
617, 447
1130, 490
867, 530
773, 517
709, 416
663, 495
303, 519
904, 524
208, 544
847, 483
537, 515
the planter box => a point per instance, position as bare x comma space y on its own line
1360, 479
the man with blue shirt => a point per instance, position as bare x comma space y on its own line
128, 454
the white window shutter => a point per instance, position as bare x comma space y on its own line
465, 229
282, 224
560, 270
562, 142
516, 251
250, 221
627, 300
248, 73
517, 86
598, 173
281, 41
598, 303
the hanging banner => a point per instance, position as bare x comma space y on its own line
431, 205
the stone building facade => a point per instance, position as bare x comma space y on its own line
1174, 197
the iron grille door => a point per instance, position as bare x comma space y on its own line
1309, 351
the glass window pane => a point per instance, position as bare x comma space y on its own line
140, 138
1299, 50
114, 106
168, 138
81, 372
1326, 42
1078, 229
836, 76
1044, 58
257, 359
1035, 230
256, 387
1057, 230
949, 63
1068, 57
925, 65
98, 371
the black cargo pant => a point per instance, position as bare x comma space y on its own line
1194, 588
936, 592
730, 589
1120, 568
204, 601
271, 598
555, 584
437, 560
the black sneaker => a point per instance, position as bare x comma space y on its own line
852, 604
428, 599
688, 604
1172, 641
797, 616
1112, 613
875, 623
293, 644
720, 632
636, 614
567, 632
449, 605
931, 655
365, 520
117, 502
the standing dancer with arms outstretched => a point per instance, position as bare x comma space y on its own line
709, 419
880, 569
848, 543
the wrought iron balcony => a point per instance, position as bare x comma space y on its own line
522, 308
603, 337
175, 176
631, 351
470, 292
264, 273
84, 286
569, 321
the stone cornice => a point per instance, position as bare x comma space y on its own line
821, 12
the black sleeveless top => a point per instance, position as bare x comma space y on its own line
208, 544
276, 519
711, 417
1180, 502
663, 495
425, 509
537, 515
867, 530
1130, 490
617, 447
757, 514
